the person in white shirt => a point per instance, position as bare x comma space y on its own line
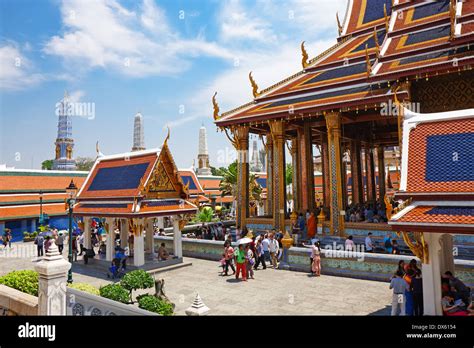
266, 248
81, 243
273, 247
369, 246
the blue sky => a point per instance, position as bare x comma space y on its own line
162, 58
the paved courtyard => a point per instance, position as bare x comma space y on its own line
272, 292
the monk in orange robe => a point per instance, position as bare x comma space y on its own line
312, 225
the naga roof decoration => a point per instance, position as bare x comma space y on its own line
423, 37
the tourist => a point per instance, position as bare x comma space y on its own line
412, 265
409, 275
307, 215
266, 248
249, 262
102, 249
161, 232
311, 226
280, 246
395, 247
302, 225
461, 290
451, 307
47, 244
369, 246
163, 254
349, 244
387, 243
399, 286
39, 241
81, 244
273, 248
228, 258
240, 259
60, 242
416, 288
401, 267
74, 248
260, 257
316, 259
9, 238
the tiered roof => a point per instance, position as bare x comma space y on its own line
437, 173
19, 192
378, 46
136, 184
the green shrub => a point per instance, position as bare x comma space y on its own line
26, 234
115, 292
135, 280
153, 304
34, 234
85, 287
24, 281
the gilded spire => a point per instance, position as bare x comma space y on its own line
254, 86
216, 107
304, 60
167, 136
339, 26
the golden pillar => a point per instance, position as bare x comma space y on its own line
295, 183
381, 170
325, 171
306, 167
241, 134
279, 194
269, 154
333, 123
369, 174
356, 173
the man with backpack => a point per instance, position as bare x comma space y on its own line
387, 243
39, 242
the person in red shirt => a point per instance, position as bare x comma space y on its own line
228, 257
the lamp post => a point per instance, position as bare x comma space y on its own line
71, 200
41, 208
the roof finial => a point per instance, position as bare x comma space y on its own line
304, 61
167, 136
339, 26
97, 150
387, 19
216, 107
367, 60
254, 86
376, 40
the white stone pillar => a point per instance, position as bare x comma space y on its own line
123, 232
149, 230
87, 233
160, 222
110, 242
177, 238
138, 250
431, 274
52, 275
447, 253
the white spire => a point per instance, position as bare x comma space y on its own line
203, 154
138, 133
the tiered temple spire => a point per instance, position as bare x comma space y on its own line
138, 136
63, 159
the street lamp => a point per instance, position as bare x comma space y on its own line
71, 200
41, 208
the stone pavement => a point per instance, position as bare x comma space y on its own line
272, 292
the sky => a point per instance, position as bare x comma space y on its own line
162, 58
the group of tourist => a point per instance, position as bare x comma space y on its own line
247, 257
211, 231
6, 239
456, 300
365, 213
44, 239
307, 224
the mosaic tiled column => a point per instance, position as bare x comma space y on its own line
381, 174
333, 123
110, 243
356, 173
241, 134
279, 194
306, 167
270, 181
123, 233
87, 233
325, 172
369, 174
295, 184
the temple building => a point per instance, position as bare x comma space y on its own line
203, 153
63, 159
138, 133
345, 102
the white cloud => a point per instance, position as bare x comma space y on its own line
104, 34
17, 71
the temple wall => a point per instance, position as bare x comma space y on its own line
15, 302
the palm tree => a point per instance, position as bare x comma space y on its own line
228, 184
